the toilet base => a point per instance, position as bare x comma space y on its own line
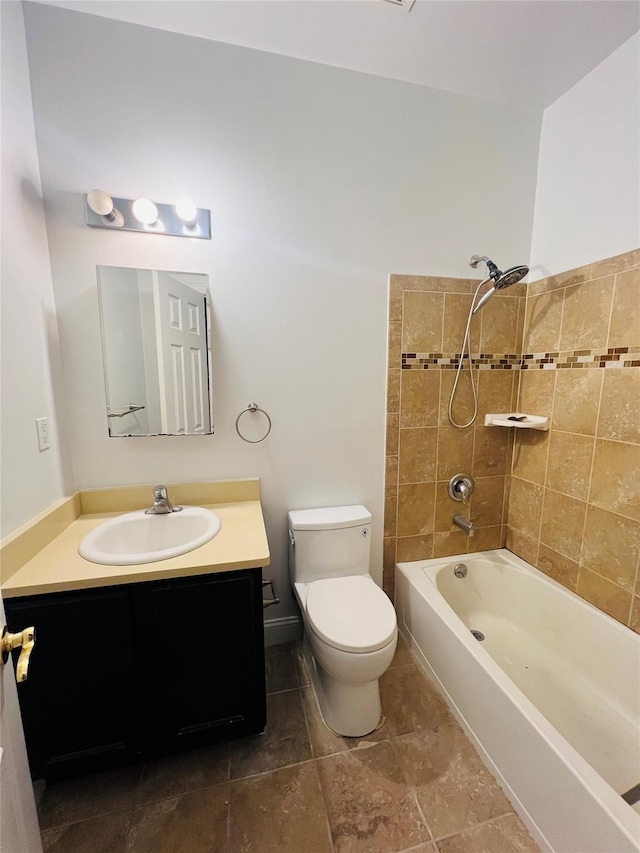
351, 710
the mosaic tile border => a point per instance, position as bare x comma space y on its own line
616, 357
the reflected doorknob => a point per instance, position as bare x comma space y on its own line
25, 639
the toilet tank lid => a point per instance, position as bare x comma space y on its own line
329, 518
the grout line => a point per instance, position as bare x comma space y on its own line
593, 459
480, 823
613, 294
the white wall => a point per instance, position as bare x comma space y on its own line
30, 383
321, 182
588, 195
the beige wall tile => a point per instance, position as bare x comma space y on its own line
419, 398
536, 391
576, 400
618, 263
563, 524
614, 482
455, 451
530, 455
490, 451
391, 473
418, 455
463, 401
525, 507
585, 320
388, 553
435, 284
415, 509
569, 465
625, 313
521, 545
446, 508
542, 323
557, 566
395, 299
494, 391
393, 390
456, 313
414, 548
449, 544
486, 539
612, 546
422, 322
603, 594
390, 513
634, 621
486, 501
569, 277
499, 325
393, 428
394, 352
620, 403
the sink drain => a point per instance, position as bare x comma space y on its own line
478, 635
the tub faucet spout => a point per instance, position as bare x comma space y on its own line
464, 524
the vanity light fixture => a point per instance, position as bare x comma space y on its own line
182, 219
145, 211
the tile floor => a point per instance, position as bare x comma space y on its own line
416, 784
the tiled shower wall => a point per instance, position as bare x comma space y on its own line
567, 500
427, 318
574, 506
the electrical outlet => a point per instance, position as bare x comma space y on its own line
42, 425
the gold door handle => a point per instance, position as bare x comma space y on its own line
25, 639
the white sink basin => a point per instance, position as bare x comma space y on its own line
139, 538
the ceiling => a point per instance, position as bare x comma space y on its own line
524, 52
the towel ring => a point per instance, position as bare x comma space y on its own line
253, 407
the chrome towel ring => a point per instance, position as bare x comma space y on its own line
253, 407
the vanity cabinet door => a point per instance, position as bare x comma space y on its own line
79, 705
200, 649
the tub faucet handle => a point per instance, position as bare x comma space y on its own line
460, 487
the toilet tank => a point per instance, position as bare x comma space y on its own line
329, 542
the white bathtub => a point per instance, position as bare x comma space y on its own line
551, 697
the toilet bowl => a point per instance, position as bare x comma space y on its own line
350, 624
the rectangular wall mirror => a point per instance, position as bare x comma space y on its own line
156, 344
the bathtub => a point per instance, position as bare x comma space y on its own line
550, 697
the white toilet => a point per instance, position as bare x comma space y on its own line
350, 625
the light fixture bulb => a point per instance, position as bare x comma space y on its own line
100, 202
145, 211
186, 210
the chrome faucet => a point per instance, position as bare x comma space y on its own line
161, 503
464, 524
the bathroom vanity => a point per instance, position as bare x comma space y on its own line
138, 661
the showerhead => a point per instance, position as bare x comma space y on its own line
500, 279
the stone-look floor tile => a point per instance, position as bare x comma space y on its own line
285, 740
79, 799
301, 667
504, 835
410, 702
429, 847
403, 656
105, 834
193, 823
371, 809
187, 771
279, 812
324, 741
280, 667
454, 789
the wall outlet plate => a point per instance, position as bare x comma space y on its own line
42, 426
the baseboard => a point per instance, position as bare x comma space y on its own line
285, 630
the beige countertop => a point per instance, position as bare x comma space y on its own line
240, 544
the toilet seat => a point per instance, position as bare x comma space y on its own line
351, 613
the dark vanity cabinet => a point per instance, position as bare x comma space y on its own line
126, 672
